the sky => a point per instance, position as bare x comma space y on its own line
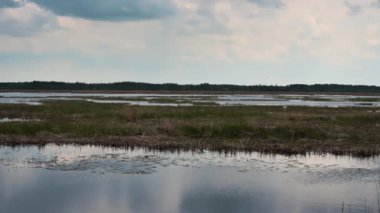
191, 41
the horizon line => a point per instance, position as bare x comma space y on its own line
194, 84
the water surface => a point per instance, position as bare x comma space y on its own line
321, 100
95, 179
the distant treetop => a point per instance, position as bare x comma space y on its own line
130, 86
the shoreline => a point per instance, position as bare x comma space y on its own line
176, 145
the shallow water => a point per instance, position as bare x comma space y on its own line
12, 120
191, 99
95, 179
140, 103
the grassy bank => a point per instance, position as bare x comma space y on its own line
354, 131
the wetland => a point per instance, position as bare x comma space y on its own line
191, 153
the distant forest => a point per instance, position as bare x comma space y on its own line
130, 86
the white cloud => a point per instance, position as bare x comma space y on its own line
223, 29
328, 31
323, 30
25, 20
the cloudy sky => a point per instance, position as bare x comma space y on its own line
191, 41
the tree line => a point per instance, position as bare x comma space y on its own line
129, 86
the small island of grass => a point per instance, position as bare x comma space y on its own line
291, 130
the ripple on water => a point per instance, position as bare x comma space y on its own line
317, 168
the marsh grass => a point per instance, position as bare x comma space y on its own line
197, 101
269, 129
365, 99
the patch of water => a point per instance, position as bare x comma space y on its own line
97, 179
223, 100
9, 120
138, 103
126, 161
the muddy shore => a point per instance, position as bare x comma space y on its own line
174, 145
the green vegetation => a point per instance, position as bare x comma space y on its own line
131, 86
354, 131
366, 99
311, 98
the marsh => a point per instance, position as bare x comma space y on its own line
174, 122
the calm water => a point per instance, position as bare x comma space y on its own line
190, 99
93, 179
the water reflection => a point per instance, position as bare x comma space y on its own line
11, 120
143, 161
93, 179
197, 99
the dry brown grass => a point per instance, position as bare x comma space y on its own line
130, 114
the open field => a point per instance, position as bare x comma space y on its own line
291, 130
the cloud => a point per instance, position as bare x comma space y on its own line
268, 3
110, 10
25, 20
8, 3
353, 9
201, 34
358, 6
376, 3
